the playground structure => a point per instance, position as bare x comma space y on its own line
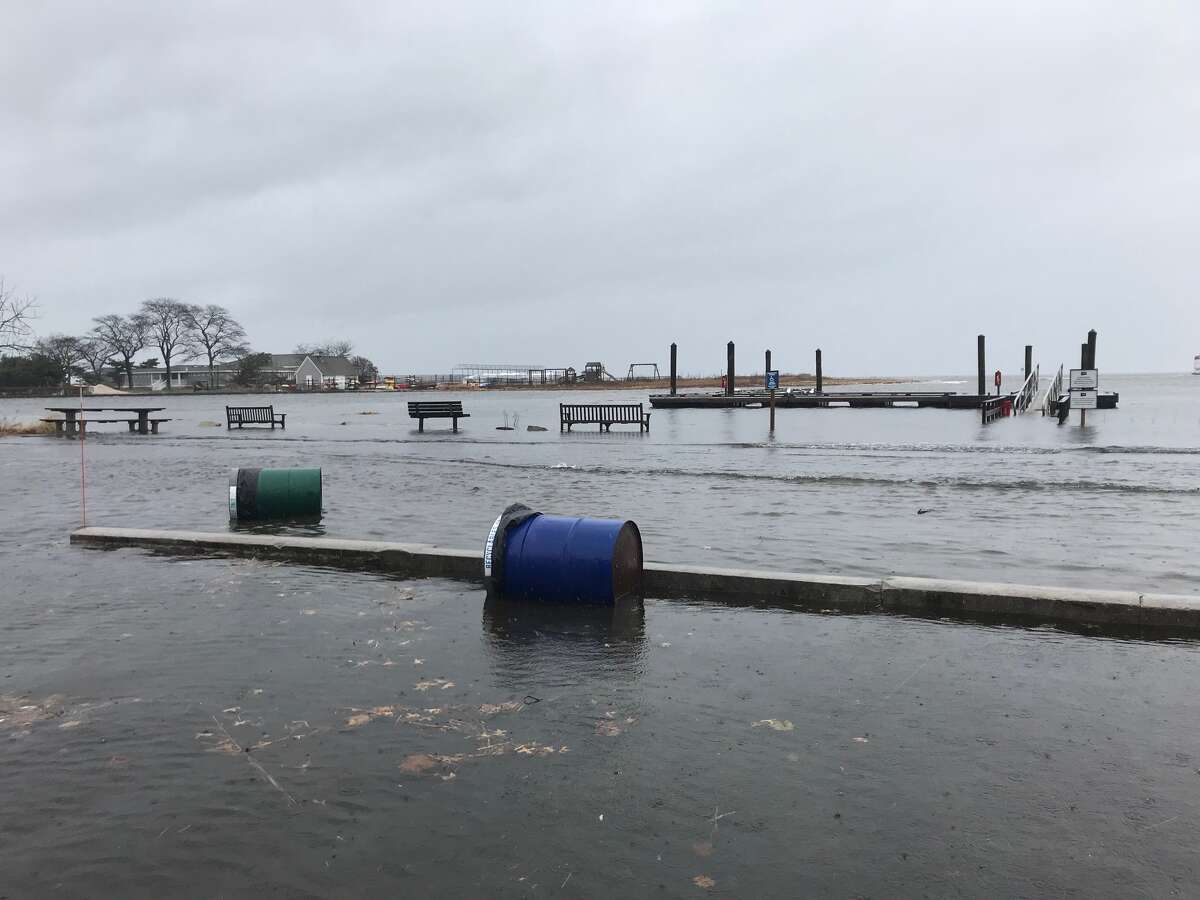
643, 372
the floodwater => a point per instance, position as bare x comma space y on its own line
227, 728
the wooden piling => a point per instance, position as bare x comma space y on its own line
674, 369
768, 365
1091, 350
820, 387
982, 367
729, 390
1028, 361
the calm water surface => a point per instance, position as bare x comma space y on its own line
208, 728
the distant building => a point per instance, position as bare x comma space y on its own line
304, 371
283, 367
326, 372
184, 377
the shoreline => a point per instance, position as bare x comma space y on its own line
652, 386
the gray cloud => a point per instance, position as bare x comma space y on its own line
557, 183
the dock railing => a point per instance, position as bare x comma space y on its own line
1052, 393
1028, 392
997, 407
1003, 405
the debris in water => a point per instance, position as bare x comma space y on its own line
775, 724
608, 728
363, 716
702, 848
226, 744
491, 709
440, 683
420, 763
20, 712
861, 740
703, 881
533, 748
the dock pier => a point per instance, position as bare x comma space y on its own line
788, 398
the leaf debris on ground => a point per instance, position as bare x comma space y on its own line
774, 724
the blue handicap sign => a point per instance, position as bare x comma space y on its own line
773, 380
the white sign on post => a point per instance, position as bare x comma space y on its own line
1085, 379
1083, 399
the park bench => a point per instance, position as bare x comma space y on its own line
253, 415
603, 414
436, 409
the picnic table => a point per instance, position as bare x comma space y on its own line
74, 424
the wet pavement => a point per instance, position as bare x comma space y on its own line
232, 728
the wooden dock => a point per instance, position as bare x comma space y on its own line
824, 399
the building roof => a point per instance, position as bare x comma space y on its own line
334, 366
281, 361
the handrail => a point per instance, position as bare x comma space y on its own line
1054, 391
1003, 405
1024, 397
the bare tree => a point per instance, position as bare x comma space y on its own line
125, 337
95, 352
216, 336
64, 349
15, 313
167, 328
329, 348
367, 370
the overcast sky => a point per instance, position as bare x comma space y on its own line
563, 182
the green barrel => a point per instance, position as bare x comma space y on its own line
275, 494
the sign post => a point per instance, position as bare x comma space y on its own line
998, 378
772, 387
1085, 387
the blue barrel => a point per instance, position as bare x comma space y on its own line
574, 560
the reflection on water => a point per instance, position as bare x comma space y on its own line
579, 641
298, 527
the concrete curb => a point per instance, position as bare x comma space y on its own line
919, 596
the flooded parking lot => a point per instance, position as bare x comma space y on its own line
259, 729
212, 727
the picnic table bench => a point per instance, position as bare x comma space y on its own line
72, 423
603, 414
436, 409
254, 415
